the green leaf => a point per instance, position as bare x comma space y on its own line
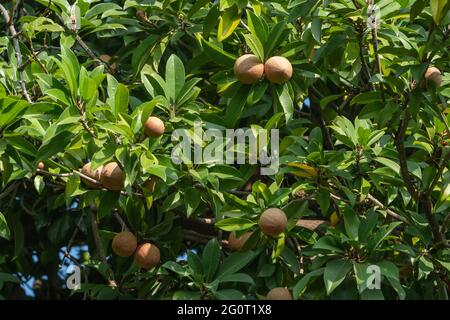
390, 271
210, 259
54, 145
218, 55
120, 99
235, 224
229, 294
4, 230
255, 45
437, 10
186, 91
6, 277
328, 243
316, 28
175, 76
108, 201
257, 26
39, 183
301, 285
335, 273
238, 277
227, 23
285, 100
191, 200
175, 267
276, 36
235, 262
352, 222
236, 105
71, 69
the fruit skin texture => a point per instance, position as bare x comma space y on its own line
237, 243
147, 256
154, 127
94, 174
272, 222
279, 294
112, 177
278, 69
124, 244
248, 69
434, 74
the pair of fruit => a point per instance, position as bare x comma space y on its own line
272, 222
111, 175
249, 69
146, 255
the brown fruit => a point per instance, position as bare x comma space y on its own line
140, 14
248, 69
112, 177
150, 184
41, 166
124, 244
434, 74
147, 256
278, 69
272, 222
154, 127
105, 58
279, 294
94, 174
237, 243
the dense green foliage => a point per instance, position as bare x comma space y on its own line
364, 163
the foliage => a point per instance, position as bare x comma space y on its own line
368, 155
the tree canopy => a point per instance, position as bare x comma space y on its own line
95, 96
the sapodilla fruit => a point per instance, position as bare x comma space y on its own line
272, 222
94, 174
147, 255
248, 69
41, 166
278, 69
279, 294
154, 127
112, 177
124, 244
434, 74
236, 243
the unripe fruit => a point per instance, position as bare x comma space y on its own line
248, 69
272, 222
147, 256
112, 177
434, 74
150, 184
41, 166
278, 69
154, 127
237, 243
94, 174
124, 244
279, 294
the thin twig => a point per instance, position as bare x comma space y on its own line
388, 211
